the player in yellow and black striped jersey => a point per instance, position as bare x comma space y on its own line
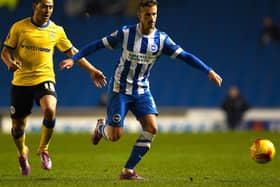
28, 52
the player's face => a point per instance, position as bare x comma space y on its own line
147, 17
42, 11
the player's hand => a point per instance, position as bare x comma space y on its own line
15, 65
66, 64
215, 77
98, 78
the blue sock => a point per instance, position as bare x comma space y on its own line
135, 156
140, 148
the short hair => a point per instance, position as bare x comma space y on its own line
147, 3
36, 1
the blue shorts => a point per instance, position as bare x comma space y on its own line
118, 105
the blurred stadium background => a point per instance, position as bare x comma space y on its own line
225, 34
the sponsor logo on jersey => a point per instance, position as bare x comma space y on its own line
140, 58
34, 48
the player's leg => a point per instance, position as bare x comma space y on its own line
106, 131
48, 106
112, 129
146, 112
18, 134
46, 96
21, 104
141, 147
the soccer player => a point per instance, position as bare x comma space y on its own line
141, 44
28, 52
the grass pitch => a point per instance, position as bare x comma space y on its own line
203, 159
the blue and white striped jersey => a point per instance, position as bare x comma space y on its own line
139, 53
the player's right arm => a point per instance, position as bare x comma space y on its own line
109, 42
6, 56
76, 56
10, 44
97, 76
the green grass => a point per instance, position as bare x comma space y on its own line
206, 159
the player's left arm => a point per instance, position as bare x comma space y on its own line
175, 51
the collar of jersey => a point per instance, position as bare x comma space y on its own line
40, 26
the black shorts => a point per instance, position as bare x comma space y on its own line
22, 97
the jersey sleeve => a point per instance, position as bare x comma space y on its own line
109, 42
112, 41
170, 48
12, 37
63, 43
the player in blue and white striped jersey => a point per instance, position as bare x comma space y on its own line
142, 44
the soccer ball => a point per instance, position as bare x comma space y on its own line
262, 150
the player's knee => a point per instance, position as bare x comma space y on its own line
49, 112
115, 135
